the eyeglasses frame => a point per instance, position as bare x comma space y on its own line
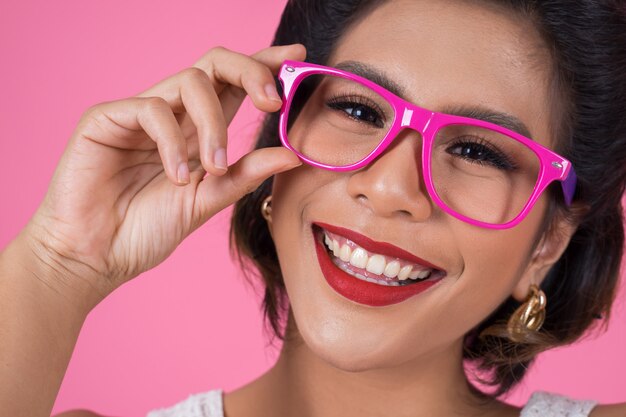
427, 123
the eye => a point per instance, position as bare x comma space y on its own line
479, 151
358, 108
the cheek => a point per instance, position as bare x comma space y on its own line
493, 263
290, 190
352, 337
303, 191
293, 194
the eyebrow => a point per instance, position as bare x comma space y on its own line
485, 114
374, 75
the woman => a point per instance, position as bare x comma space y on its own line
490, 266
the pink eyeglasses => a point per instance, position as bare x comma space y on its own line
479, 171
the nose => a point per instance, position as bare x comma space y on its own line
393, 184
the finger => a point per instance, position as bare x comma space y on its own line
274, 56
154, 116
229, 68
244, 176
231, 97
158, 121
189, 91
203, 106
225, 67
236, 75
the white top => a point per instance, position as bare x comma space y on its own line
540, 404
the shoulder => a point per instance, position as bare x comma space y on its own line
203, 404
548, 404
543, 403
79, 413
609, 410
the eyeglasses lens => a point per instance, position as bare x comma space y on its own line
477, 172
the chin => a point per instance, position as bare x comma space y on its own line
344, 349
344, 359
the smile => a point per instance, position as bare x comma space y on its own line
370, 277
372, 267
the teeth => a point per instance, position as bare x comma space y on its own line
355, 274
419, 275
376, 264
404, 272
344, 253
359, 258
392, 269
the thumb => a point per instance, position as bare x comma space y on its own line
244, 176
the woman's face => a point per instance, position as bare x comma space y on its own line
442, 54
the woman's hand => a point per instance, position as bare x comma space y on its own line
129, 186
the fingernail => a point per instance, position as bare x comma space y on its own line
272, 94
183, 173
219, 158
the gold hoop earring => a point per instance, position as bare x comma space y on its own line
266, 208
529, 316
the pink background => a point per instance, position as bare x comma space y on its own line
191, 324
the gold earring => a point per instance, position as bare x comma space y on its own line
529, 316
266, 208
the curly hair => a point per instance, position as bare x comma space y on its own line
587, 42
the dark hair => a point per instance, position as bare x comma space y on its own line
587, 41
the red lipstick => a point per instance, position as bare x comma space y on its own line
360, 291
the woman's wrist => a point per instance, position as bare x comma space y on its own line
42, 310
30, 257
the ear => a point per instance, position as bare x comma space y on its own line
551, 246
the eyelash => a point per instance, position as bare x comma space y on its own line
338, 102
495, 157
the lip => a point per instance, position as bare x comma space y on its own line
382, 248
358, 290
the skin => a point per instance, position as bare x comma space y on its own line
407, 353
116, 206
138, 176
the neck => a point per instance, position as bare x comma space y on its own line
301, 383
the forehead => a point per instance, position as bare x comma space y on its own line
445, 53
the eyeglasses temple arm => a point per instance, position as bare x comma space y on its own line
569, 186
